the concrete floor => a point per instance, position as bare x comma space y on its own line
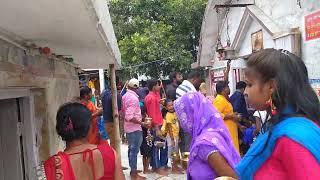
153, 176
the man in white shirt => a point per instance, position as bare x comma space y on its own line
192, 84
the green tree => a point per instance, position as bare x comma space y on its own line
165, 30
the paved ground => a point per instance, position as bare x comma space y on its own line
153, 176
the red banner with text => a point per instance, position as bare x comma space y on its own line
312, 26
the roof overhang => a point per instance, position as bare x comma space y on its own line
253, 13
277, 33
78, 28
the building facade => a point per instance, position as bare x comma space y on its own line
31, 90
289, 24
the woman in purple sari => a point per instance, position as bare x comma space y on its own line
212, 153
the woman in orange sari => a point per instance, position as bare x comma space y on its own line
85, 99
223, 105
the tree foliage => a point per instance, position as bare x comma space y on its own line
149, 30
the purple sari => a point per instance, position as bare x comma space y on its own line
198, 117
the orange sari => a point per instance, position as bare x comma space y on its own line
225, 107
93, 135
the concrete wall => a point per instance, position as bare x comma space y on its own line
286, 14
53, 82
246, 47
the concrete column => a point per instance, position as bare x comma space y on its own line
116, 126
101, 79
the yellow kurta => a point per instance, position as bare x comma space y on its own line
171, 118
225, 107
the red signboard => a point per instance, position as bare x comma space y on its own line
312, 26
217, 75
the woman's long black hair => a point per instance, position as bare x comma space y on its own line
73, 121
292, 84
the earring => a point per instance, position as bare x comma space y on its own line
272, 106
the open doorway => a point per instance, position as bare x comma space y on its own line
18, 155
12, 165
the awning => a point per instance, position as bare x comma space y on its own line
79, 28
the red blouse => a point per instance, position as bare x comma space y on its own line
59, 166
289, 160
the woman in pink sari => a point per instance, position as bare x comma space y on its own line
80, 159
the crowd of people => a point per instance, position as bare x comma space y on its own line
267, 129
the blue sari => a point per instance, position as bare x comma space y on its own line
299, 129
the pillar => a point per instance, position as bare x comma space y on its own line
101, 80
116, 126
